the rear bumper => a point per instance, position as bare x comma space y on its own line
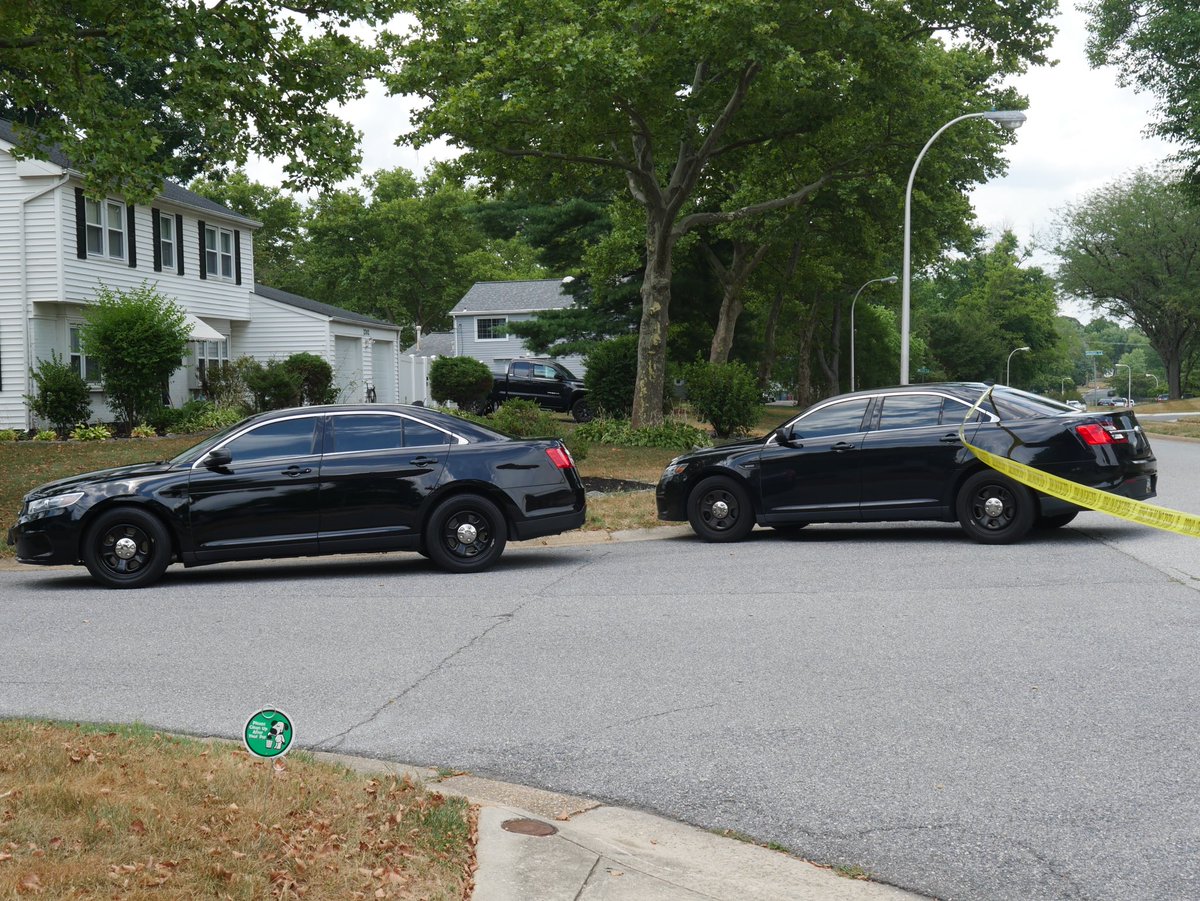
1137, 486
548, 525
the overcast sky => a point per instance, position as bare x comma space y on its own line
1082, 132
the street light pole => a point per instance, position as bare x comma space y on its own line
1008, 367
887, 280
1010, 120
1062, 386
1151, 375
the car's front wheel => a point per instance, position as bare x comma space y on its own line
126, 548
719, 509
993, 509
467, 533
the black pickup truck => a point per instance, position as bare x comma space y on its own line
548, 384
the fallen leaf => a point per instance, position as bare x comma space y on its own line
137, 826
30, 883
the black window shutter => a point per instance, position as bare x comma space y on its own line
203, 265
237, 257
179, 242
80, 225
132, 236
156, 239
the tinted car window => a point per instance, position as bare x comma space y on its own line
366, 432
286, 438
910, 411
543, 371
954, 411
522, 371
417, 434
1011, 403
835, 419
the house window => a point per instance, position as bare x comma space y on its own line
88, 368
218, 251
166, 240
105, 221
491, 329
207, 354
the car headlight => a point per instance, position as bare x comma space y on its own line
45, 504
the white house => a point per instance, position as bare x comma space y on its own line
482, 317
64, 246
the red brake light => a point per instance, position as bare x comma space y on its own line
1093, 434
560, 457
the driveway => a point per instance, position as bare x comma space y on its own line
963, 721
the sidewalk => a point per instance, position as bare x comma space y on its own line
599, 852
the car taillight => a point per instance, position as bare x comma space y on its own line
1092, 433
560, 457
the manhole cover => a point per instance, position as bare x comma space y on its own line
525, 826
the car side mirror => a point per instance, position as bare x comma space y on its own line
215, 459
783, 436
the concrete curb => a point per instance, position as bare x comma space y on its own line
602, 852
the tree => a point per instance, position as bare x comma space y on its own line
1152, 45
463, 380
150, 89
280, 213
1133, 249
138, 338
63, 397
654, 95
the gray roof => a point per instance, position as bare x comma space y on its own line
512, 297
435, 344
315, 306
170, 190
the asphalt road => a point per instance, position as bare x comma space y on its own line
964, 721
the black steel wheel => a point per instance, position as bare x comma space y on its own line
719, 509
1057, 521
581, 411
467, 533
126, 548
993, 509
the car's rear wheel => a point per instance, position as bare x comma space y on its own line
581, 411
467, 533
719, 510
1057, 521
126, 548
993, 509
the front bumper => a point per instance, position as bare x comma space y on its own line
46, 540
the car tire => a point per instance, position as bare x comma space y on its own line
1055, 522
581, 411
126, 548
466, 534
719, 509
993, 509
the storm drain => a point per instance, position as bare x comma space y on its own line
526, 826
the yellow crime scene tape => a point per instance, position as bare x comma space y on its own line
1081, 495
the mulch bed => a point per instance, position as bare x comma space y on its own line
606, 485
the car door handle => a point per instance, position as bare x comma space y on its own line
296, 471
842, 446
949, 439
423, 461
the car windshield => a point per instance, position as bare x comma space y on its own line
1012, 403
196, 451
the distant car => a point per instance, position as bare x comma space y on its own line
1163, 397
1107, 402
306, 482
894, 454
1077, 405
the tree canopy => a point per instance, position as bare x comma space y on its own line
144, 90
1132, 248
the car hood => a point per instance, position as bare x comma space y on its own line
721, 450
87, 480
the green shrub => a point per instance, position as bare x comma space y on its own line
63, 397
46, 435
579, 447
611, 373
84, 432
9, 435
316, 378
724, 394
224, 383
137, 337
273, 386
525, 419
143, 431
463, 380
671, 434
211, 418
466, 414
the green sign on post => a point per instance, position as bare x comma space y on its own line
268, 733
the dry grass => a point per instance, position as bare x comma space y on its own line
623, 510
127, 813
1178, 429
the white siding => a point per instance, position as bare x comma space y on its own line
497, 354
12, 315
276, 331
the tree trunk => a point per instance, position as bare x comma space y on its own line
652, 333
746, 258
805, 394
832, 363
766, 365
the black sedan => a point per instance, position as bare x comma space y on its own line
894, 454
306, 482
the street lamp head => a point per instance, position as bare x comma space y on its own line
1022, 348
890, 280
1009, 120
